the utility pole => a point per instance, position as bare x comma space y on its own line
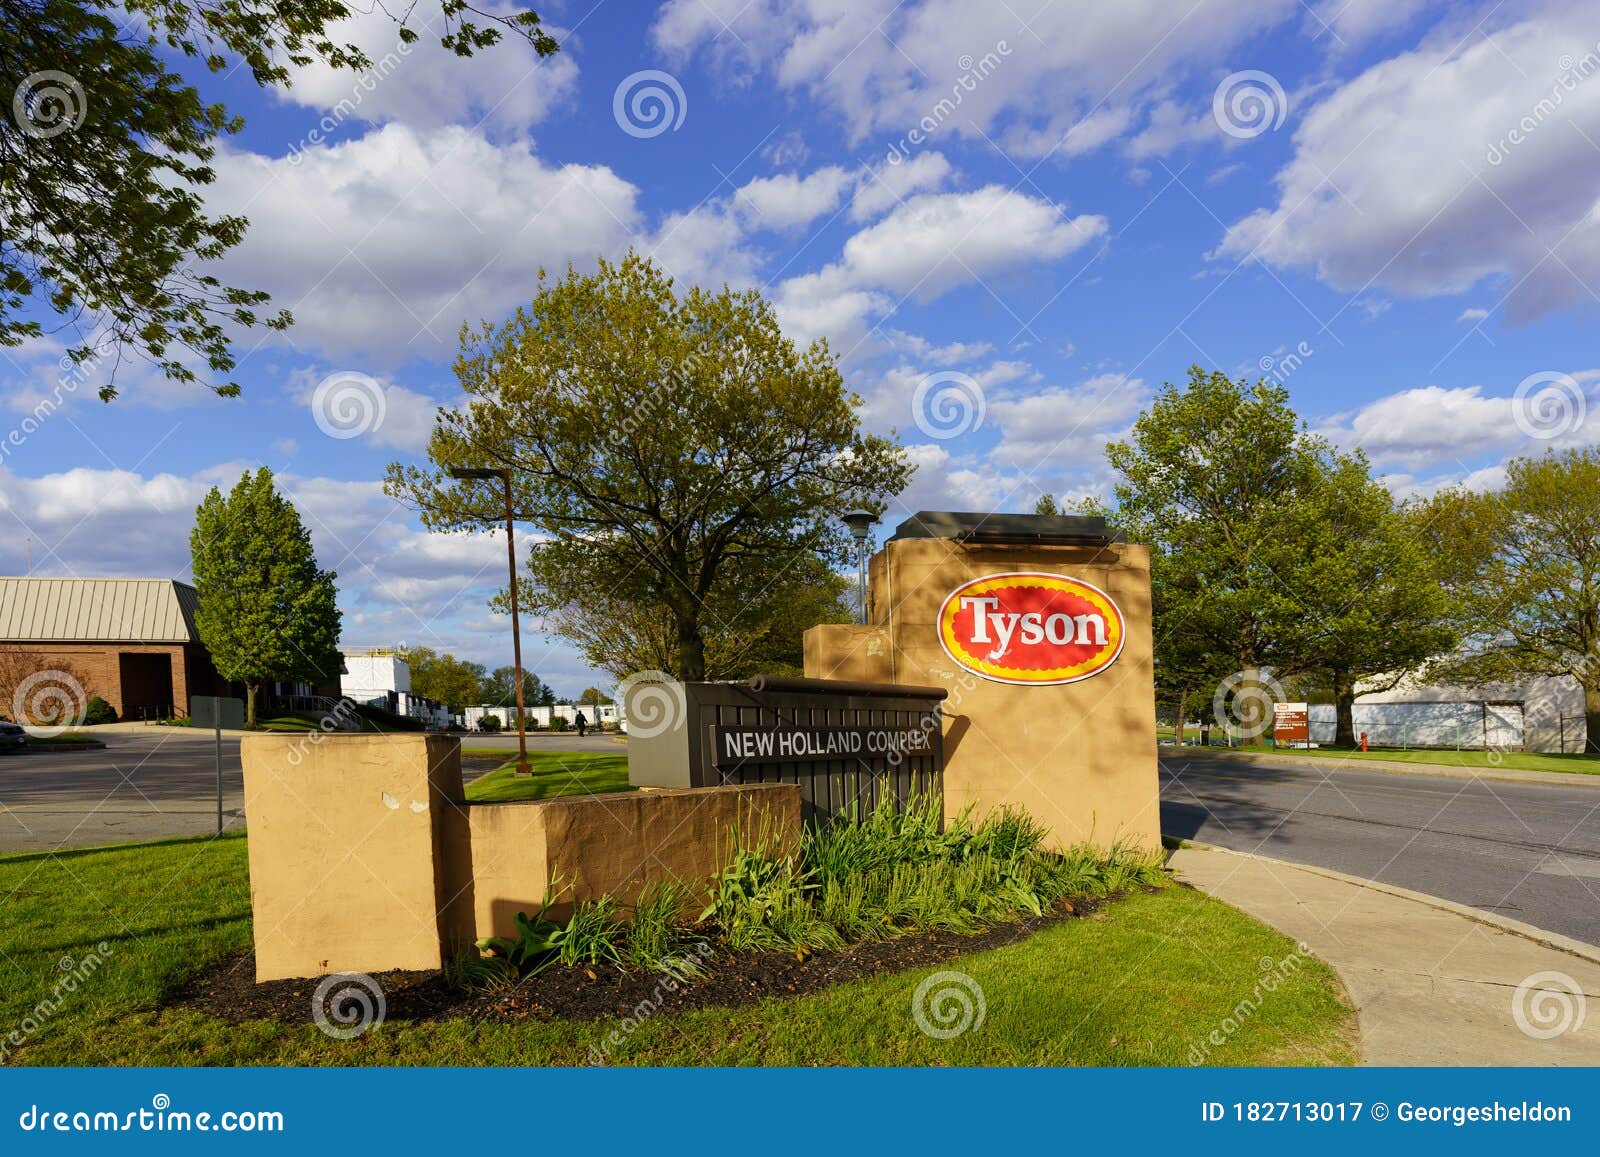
483, 474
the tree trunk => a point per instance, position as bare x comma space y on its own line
691, 651
1344, 698
1591, 718
250, 704
1183, 709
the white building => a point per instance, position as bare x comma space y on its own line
382, 678
1537, 714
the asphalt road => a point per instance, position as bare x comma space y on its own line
141, 787
1528, 852
157, 784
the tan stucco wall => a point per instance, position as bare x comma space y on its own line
616, 843
365, 857
345, 833
1081, 757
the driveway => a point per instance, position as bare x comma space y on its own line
1530, 852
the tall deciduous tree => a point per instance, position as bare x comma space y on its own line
1525, 564
457, 683
106, 150
267, 610
501, 689
1206, 477
1365, 608
664, 444
749, 630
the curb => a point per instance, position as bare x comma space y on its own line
1390, 767
1539, 936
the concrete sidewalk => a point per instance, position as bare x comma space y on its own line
1433, 983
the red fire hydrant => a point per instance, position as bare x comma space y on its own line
1363, 741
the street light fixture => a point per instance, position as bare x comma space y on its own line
481, 474
861, 523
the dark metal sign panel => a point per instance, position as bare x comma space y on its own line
789, 743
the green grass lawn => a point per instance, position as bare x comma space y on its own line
554, 773
1516, 760
1138, 983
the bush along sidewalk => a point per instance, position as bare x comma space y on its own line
876, 876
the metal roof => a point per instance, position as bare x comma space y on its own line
1009, 529
84, 610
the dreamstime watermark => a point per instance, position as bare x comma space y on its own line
1549, 404
365, 84
1573, 73
1243, 702
347, 404
648, 103
74, 372
653, 703
1273, 974
52, 701
948, 404
1281, 367
75, 973
1548, 1004
679, 971
1249, 103
347, 1004
947, 1004
49, 103
973, 71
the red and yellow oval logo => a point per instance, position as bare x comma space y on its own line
1029, 627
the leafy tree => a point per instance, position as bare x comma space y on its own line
1366, 606
1208, 476
108, 149
593, 697
267, 611
667, 445
500, 689
456, 683
1046, 504
1524, 562
749, 629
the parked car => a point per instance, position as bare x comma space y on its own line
12, 737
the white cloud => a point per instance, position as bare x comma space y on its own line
1448, 165
939, 240
789, 201
1473, 315
386, 244
890, 184
1064, 82
1064, 427
1418, 428
506, 88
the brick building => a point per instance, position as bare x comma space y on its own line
131, 641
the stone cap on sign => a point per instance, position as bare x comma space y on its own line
1010, 529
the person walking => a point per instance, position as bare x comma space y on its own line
581, 722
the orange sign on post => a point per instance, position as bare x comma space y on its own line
1291, 723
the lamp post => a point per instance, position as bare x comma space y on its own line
860, 523
483, 474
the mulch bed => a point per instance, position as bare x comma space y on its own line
227, 990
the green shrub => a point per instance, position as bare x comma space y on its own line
489, 724
99, 711
657, 932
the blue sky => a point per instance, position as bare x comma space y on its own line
1012, 220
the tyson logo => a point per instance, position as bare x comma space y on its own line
1030, 627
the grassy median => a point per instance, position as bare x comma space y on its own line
94, 942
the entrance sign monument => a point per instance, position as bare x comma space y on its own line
1038, 628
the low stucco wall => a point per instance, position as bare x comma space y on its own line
365, 856
618, 844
